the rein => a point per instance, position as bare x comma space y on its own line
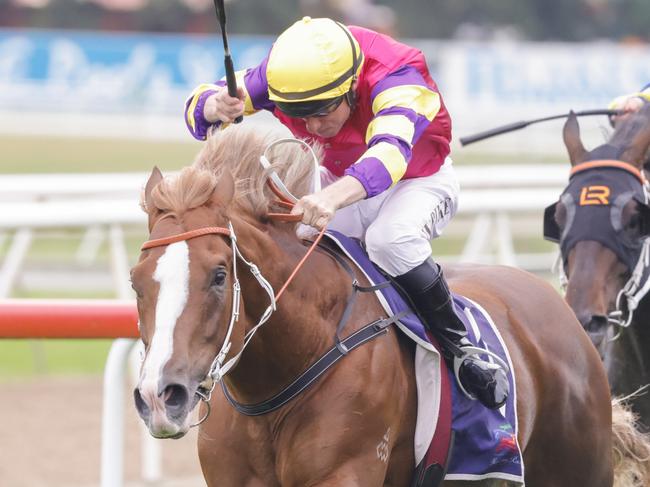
219, 369
340, 349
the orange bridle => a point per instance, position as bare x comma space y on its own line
283, 202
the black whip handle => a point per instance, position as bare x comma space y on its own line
231, 81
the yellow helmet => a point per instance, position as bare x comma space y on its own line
314, 60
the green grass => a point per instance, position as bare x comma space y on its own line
24, 358
61, 248
71, 155
22, 154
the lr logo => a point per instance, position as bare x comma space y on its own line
594, 195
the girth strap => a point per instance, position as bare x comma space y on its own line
352, 297
309, 376
339, 350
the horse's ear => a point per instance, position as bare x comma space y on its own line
571, 134
225, 189
155, 177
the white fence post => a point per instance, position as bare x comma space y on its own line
14, 260
112, 460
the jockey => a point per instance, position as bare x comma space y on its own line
630, 103
372, 105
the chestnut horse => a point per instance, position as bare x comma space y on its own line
209, 227
602, 223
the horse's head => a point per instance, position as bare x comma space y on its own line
185, 278
182, 285
602, 220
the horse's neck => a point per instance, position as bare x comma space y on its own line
302, 327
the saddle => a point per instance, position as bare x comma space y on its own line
456, 438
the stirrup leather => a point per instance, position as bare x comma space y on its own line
467, 353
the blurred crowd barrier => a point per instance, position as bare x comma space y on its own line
137, 83
499, 215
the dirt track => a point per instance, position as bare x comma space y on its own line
50, 436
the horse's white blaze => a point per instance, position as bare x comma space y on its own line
173, 275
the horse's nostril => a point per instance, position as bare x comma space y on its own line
140, 404
175, 397
597, 322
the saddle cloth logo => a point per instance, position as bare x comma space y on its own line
594, 195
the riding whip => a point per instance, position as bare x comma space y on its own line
230, 70
511, 127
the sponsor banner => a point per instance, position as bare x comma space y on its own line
483, 84
109, 73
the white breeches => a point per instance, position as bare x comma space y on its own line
398, 225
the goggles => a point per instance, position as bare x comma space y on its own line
308, 109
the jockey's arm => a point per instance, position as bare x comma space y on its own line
221, 107
318, 209
210, 107
403, 106
630, 103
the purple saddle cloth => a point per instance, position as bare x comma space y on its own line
485, 441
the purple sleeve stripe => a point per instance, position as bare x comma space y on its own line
258, 87
396, 110
419, 121
404, 75
403, 146
372, 174
201, 125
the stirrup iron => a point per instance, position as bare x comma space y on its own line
467, 353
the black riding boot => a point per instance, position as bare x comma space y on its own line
429, 293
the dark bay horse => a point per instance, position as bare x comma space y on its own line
602, 223
187, 281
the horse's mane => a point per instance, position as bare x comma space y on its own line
237, 150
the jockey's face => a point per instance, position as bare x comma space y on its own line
328, 125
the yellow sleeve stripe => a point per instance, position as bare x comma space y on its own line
194, 96
398, 125
645, 94
391, 158
619, 101
418, 98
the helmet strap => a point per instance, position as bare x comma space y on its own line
351, 95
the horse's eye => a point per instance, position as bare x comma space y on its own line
219, 277
634, 221
633, 224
